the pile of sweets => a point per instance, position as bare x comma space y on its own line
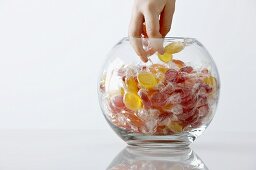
162, 99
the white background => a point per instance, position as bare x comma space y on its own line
51, 52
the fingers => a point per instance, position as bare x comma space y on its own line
166, 17
135, 31
144, 31
138, 47
152, 29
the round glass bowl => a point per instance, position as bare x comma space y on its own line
166, 102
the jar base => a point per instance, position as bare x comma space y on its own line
181, 141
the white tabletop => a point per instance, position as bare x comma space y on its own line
99, 150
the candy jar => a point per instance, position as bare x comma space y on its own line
166, 102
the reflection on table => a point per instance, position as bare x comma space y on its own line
134, 158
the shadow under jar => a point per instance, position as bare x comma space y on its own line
168, 101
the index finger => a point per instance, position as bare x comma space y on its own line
135, 31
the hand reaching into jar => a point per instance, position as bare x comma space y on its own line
150, 19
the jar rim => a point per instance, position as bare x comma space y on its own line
165, 38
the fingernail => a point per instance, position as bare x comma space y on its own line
144, 58
151, 51
161, 51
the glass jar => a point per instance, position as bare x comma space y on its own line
168, 101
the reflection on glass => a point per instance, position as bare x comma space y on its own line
134, 158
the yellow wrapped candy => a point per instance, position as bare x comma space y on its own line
131, 85
170, 49
155, 68
166, 57
211, 81
147, 80
132, 101
174, 47
175, 127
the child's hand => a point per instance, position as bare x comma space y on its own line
157, 15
